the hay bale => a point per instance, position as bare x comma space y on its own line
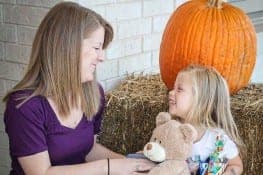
132, 108
130, 114
247, 109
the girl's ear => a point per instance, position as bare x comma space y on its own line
162, 118
189, 132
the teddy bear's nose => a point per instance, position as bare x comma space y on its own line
149, 146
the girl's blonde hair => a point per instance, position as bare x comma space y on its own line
211, 106
54, 67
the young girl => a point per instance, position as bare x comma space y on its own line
201, 97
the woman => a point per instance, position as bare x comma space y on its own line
54, 113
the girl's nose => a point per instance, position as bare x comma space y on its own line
172, 93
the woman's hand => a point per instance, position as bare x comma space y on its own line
129, 166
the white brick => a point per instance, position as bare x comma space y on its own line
134, 63
107, 69
134, 27
2, 54
4, 144
12, 71
121, 48
40, 3
257, 75
113, 83
5, 158
26, 34
1, 13
9, 84
123, 11
8, 33
2, 87
156, 7
88, 3
179, 2
5, 86
17, 53
155, 58
114, 27
99, 9
8, 1
260, 43
152, 42
2, 125
159, 23
126, 0
2, 107
4, 170
24, 15
152, 70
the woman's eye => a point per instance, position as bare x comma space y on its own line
96, 48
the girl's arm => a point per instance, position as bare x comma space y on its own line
235, 166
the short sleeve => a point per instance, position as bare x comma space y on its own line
98, 116
230, 149
25, 127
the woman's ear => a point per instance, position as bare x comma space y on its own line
162, 118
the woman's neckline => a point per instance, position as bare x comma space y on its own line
58, 120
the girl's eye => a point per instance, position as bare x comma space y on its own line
96, 48
179, 89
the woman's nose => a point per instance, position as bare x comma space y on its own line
101, 56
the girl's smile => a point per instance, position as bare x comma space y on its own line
181, 97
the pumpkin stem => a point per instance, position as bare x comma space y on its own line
215, 3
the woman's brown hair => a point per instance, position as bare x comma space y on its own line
54, 66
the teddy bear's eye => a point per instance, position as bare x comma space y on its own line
160, 141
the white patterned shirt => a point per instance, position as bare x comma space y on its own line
206, 145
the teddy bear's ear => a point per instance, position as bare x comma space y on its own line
162, 118
189, 132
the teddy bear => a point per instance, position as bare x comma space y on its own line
170, 146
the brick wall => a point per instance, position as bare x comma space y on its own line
18, 23
138, 27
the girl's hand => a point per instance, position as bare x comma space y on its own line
130, 166
234, 167
230, 172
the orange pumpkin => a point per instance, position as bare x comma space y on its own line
209, 32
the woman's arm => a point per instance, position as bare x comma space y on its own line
100, 152
39, 164
235, 166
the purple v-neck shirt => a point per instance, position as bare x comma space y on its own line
34, 127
